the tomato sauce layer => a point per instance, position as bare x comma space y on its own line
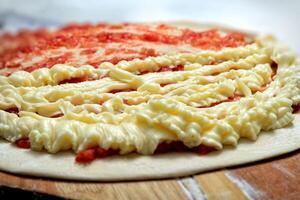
91, 154
93, 44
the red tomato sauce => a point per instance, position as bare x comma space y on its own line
14, 110
23, 143
74, 80
18, 48
57, 115
296, 108
91, 154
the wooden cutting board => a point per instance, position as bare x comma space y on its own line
277, 178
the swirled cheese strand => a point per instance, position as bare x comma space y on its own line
150, 108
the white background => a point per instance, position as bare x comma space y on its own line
273, 16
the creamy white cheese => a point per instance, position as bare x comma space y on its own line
141, 119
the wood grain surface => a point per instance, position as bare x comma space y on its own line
278, 178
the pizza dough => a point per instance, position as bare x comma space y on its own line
133, 167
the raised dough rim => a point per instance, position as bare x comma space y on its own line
117, 168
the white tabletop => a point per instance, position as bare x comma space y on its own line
272, 16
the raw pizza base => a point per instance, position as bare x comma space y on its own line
139, 167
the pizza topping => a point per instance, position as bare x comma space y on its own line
57, 115
91, 154
296, 108
73, 80
14, 110
203, 150
86, 156
79, 45
180, 147
201, 90
171, 147
23, 143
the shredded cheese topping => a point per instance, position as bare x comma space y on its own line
148, 108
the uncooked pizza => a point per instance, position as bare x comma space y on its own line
136, 101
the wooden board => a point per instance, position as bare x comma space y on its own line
278, 178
